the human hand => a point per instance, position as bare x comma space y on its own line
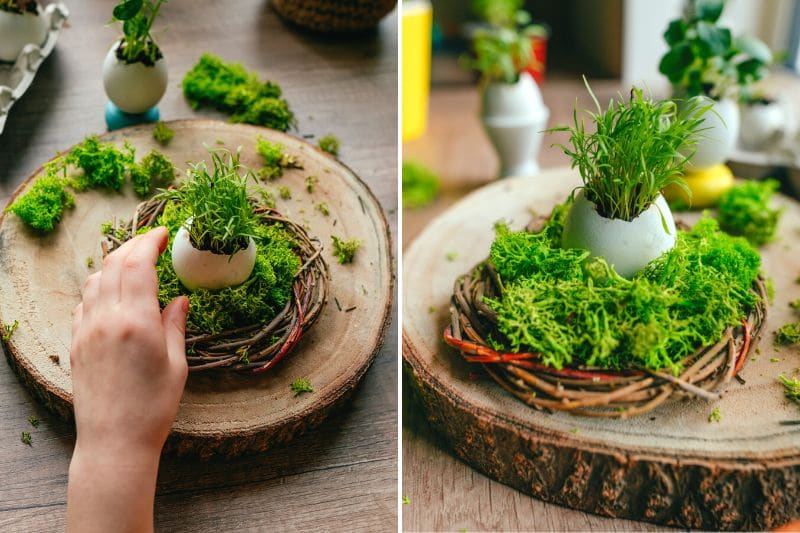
129, 368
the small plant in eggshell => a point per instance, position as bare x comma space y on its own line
637, 147
134, 71
215, 248
21, 23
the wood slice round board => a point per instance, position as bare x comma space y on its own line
220, 412
670, 466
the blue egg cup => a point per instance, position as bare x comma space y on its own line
116, 118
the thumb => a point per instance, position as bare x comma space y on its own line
173, 318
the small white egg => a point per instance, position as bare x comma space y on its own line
133, 88
201, 269
627, 245
17, 30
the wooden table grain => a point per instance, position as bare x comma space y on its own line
443, 492
342, 475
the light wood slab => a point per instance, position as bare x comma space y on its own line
219, 412
671, 466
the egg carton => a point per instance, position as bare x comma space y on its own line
16, 77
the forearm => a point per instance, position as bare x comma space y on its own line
111, 490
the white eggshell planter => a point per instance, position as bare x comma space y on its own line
720, 132
762, 124
17, 30
626, 245
201, 269
133, 88
514, 116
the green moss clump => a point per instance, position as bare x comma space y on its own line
42, 206
791, 387
344, 250
311, 183
788, 334
257, 300
420, 185
275, 159
230, 88
285, 193
154, 171
103, 165
162, 133
744, 210
301, 385
330, 143
576, 310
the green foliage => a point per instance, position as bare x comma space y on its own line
345, 250
744, 210
705, 58
19, 6
103, 165
217, 201
715, 416
791, 387
259, 299
42, 206
26, 438
284, 192
330, 143
788, 334
7, 330
275, 159
154, 171
311, 183
301, 385
420, 185
575, 310
322, 207
230, 88
498, 12
137, 17
499, 53
33, 420
637, 148
162, 133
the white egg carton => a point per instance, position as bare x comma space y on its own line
16, 77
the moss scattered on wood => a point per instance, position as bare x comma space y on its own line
345, 250
8, 330
153, 172
301, 385
43, 205
330, 143
162, 133
788, 334
745, 210
276, 159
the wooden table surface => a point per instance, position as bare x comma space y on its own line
444, 493
342, 475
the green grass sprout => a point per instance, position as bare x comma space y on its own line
8, 330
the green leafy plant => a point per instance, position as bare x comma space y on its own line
162, 133
230, 88
19, 6
744, 210
301, 385
275, 159
217, 202
637, 148
705, 59
137, 17
576, 310
154, 171
330, 143
420, 185
344, 250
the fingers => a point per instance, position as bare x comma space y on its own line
77, 319
139, 281
173, 318
91, 293
119, 264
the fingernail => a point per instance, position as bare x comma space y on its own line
185, 304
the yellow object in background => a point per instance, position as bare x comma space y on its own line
707, 186
417, 24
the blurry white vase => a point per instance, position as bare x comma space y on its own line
762, 124
514, 116
720, 131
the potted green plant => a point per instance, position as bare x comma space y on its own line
705, 60
21, 22
134, 71
512, 110
637, 148
215, 248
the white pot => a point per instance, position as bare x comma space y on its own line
721, 130
514, 116
627, 246
201, 269
133, 88
18, 30
762, 124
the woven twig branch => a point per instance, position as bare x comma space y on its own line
226, 350
584, 390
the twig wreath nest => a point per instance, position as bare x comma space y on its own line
620, 373
256, 346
